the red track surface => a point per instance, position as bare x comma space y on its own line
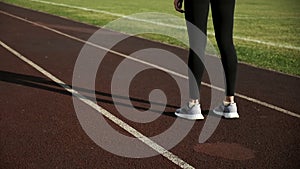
39, 127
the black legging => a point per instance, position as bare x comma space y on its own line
196, 12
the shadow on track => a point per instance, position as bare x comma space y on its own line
44, 84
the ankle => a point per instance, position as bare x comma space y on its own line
193, 102
229, 99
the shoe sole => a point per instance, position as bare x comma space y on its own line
190, 117
231, 115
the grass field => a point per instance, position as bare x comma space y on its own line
266, 32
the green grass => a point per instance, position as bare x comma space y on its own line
272, 21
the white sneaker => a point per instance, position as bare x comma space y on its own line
191, 113
229, 111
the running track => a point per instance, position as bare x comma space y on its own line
39, 127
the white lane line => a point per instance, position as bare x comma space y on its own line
164, 24
279, 109
265, 17
170, 156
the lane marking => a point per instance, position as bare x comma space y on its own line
247, 17
164, 24
262, 103
170, 156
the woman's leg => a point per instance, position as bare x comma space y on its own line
223, 16
196, 13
